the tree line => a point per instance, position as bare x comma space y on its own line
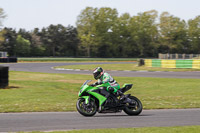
55, 40
102, 32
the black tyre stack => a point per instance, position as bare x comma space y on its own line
9, 59
141, 62
4, 76
12, 59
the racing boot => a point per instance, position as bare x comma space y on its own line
121, 94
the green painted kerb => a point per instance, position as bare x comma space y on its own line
177, 64
184, 63
156, 63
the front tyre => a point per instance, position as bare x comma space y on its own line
89, 109
133, 109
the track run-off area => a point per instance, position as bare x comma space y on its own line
48, 121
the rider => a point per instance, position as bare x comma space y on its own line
104, 77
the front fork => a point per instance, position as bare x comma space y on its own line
87, 99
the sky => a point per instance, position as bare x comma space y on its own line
30, 14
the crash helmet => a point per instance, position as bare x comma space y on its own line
98, 72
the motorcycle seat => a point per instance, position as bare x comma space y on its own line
126, 87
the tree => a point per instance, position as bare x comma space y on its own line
105, 34
69, 42
25, 34
124, 45
173, 33
9, 43
51, 37
59, 40
194, 34
93, 25
2, 39
144, 32
37, 47
22, 46
2, 17
86, 28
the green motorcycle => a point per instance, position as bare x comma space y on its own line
97, 99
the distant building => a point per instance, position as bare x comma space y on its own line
3, 54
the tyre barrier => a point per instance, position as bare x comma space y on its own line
8, 60
190, 63
4, 76
140, 62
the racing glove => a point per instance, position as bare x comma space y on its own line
96, 83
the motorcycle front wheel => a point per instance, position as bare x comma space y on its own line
89, 109
133, 109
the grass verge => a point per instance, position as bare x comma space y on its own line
36, 92
132, 67
180, 129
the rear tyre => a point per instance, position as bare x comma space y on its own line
133, 109
89, 109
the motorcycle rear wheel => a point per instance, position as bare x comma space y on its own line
134, 109
86, 109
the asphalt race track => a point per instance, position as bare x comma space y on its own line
48, 121
47, 68
12, 122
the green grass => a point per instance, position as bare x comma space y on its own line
73, 59
132, 67
180, 129
33, 92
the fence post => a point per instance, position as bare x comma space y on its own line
191, 56
176, 56
183, 56
167, 55
160, 56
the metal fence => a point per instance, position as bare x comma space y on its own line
179, 56
3, 54
5, 59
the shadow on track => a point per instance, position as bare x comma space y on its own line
122, 115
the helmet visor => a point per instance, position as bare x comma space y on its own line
97, 75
